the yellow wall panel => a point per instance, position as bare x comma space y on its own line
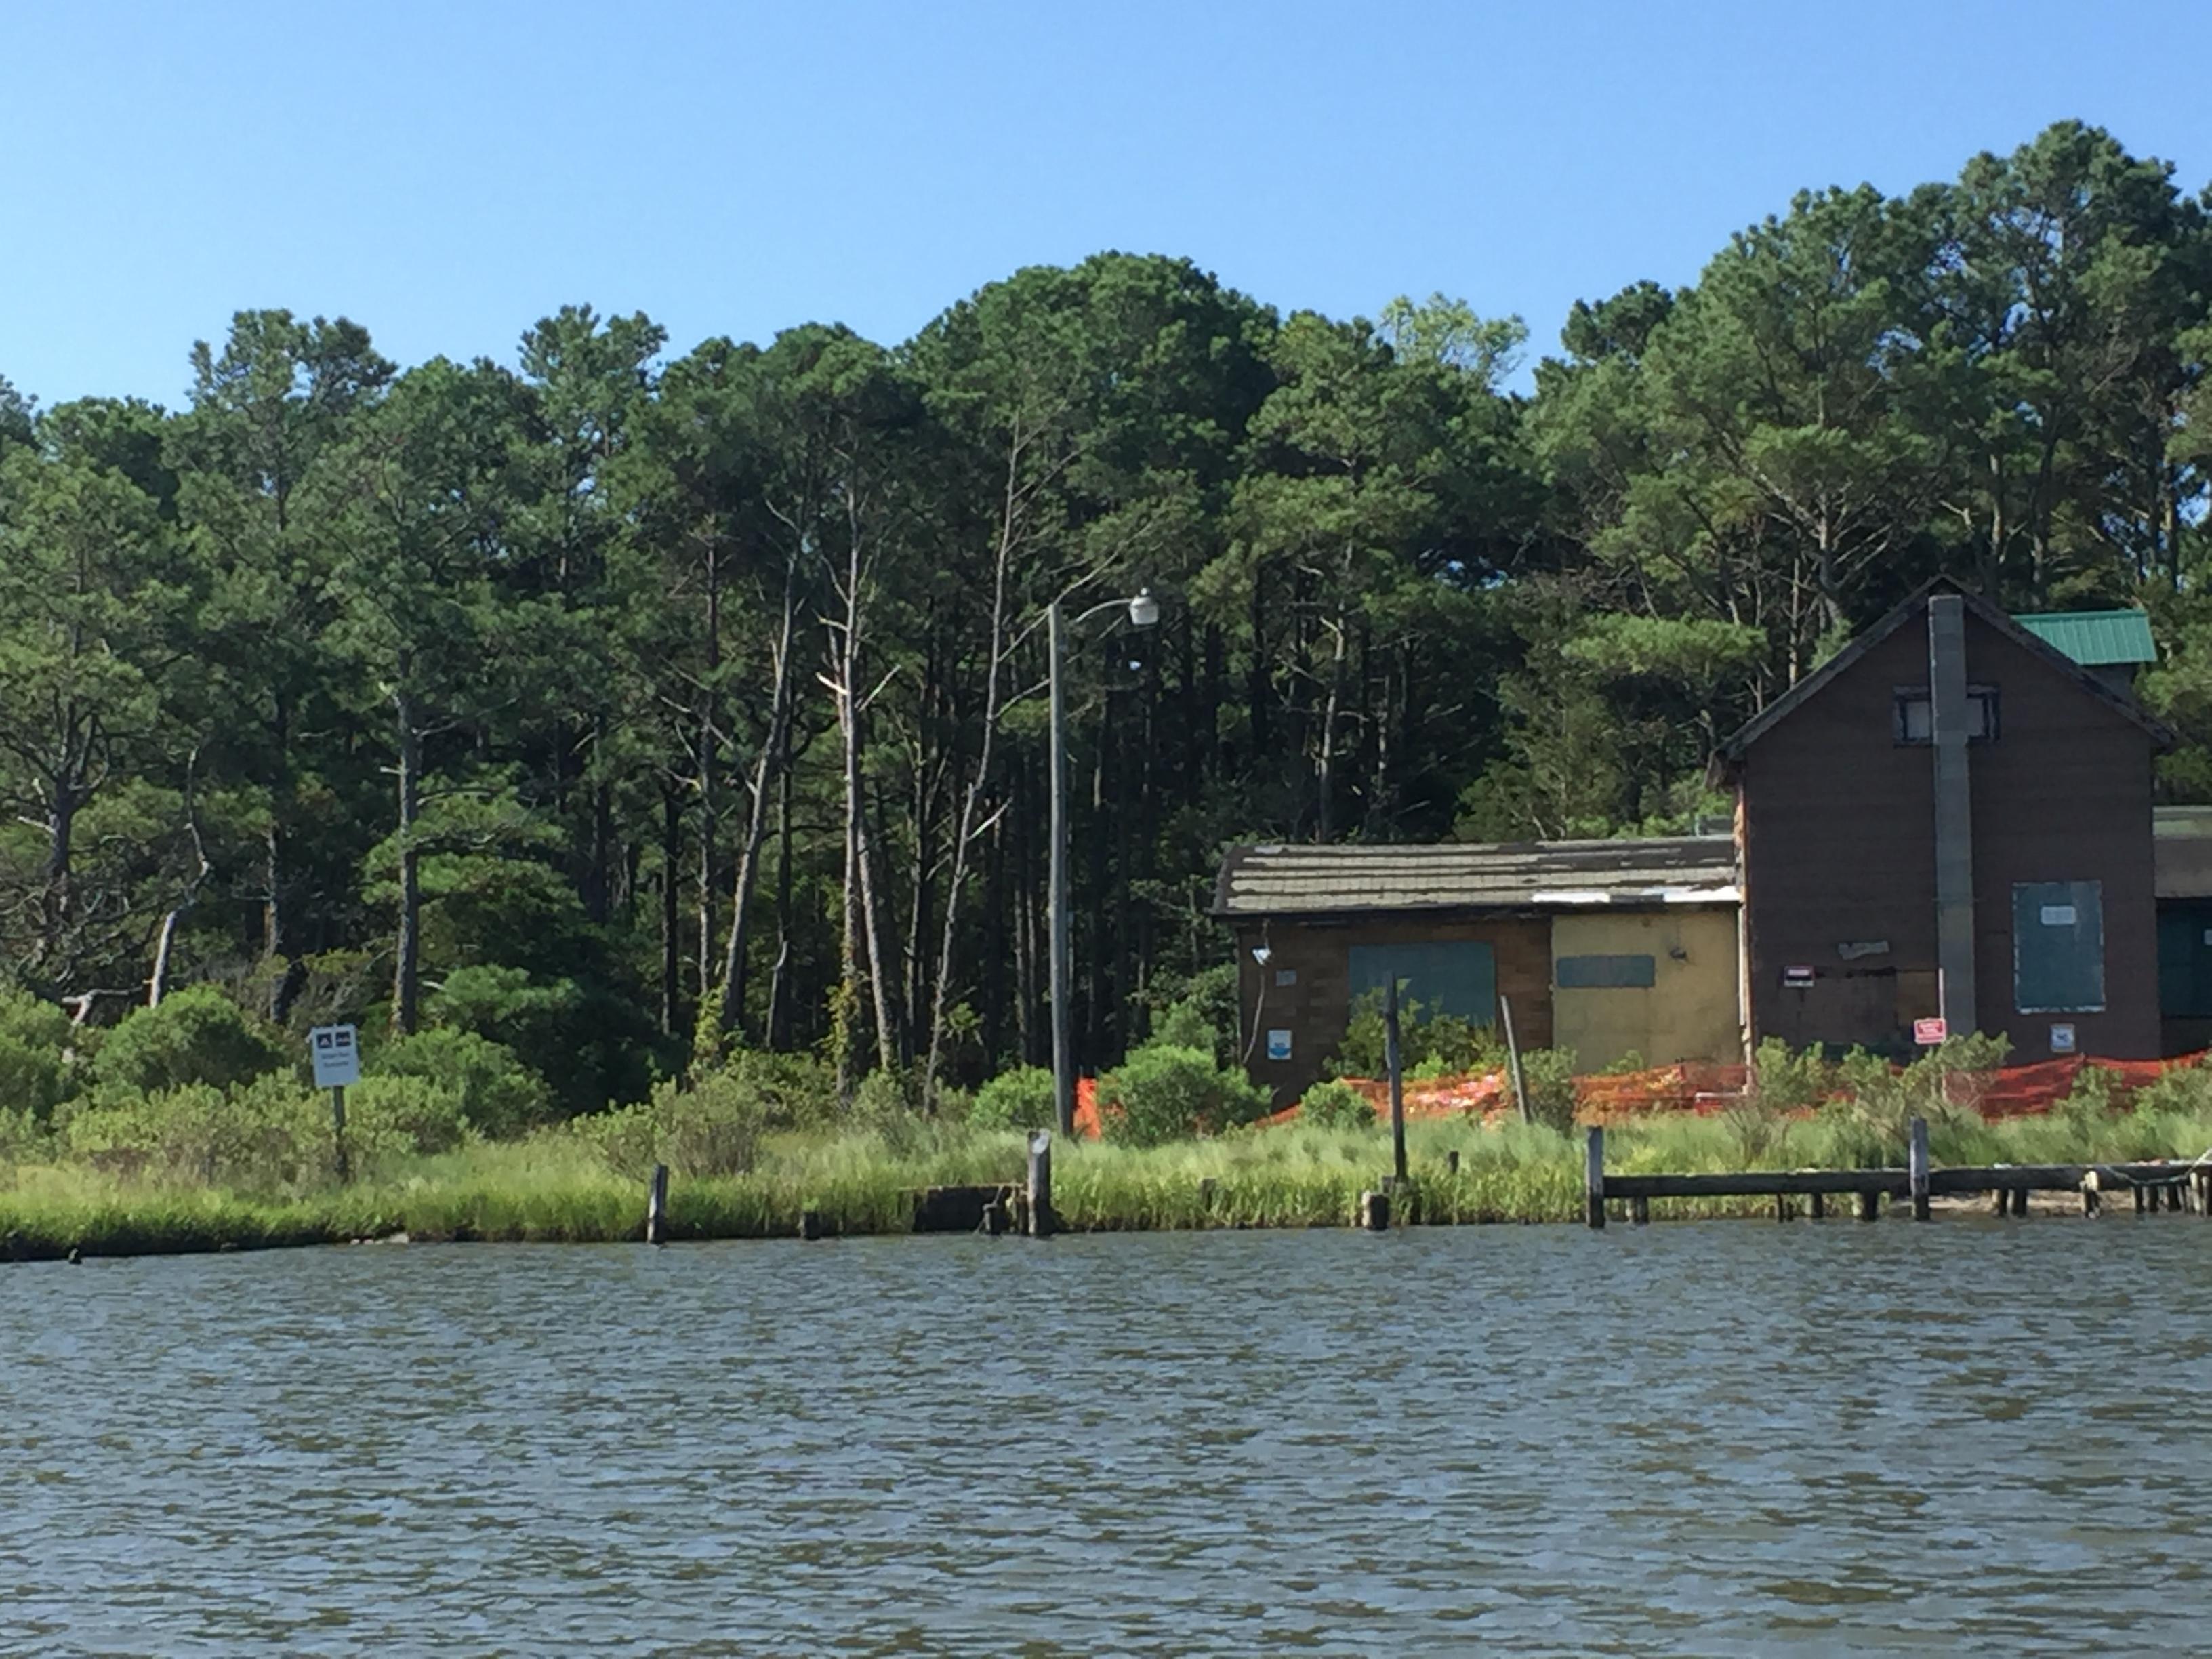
1688, 1012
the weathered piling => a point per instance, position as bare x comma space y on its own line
2091, 1193
1042, 1222
809, 1224
1817, 1206
1639, 1210
1869, 1206
656, 1206
1374, 1212
1593, 1177
1917, 1168
2019, 1202
1392, 1053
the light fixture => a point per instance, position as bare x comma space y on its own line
1143, 610
1260, 953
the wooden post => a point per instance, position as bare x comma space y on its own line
1783, 1209
656, 1206
2003, 1205
2142, 1194
1593, 1177
1042, 1222
337, 1131
1817, 1204
1869, 1206
2020, 1203
2091, 1197
809, 1224
1374, 1212
1393, 1060
1916, 1171
1639, 1211
1513, 1059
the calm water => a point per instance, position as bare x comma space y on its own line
1970, 1436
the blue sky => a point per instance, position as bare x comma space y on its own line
447, 173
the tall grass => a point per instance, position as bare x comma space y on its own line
560, 1186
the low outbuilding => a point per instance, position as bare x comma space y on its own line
1610, 948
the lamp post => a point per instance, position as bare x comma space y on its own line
1143, 612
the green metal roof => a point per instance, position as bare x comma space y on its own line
2095, 638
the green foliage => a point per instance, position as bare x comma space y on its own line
1331, 1104
1019, 1099
1549, 1076
1783, 1081
496, 1092
35, 1071
1161, 1093
195, 1036
1871, 1120
1430, 1045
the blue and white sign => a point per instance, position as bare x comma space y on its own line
337, 1052
1279, 1044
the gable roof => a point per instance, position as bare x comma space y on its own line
2095, 638
1906, 611
1294, 880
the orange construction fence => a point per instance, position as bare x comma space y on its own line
1695, 1087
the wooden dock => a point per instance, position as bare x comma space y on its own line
2177, 1187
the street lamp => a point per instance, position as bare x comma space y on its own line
1143, 612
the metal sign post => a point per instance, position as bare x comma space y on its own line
336, 1051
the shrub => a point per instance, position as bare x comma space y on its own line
1161, 1092
1336, 1105
1549, 1076
715, 1127
35, 1040
1019, 1099
263, 1136
496, 1092
1781, 1081
196, 1036
1430, 1045
404, 1113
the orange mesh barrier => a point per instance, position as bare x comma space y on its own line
1703, 1087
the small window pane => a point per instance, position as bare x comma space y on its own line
1606, 973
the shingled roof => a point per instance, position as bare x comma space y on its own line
1537, 875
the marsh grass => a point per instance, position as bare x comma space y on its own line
558, 1186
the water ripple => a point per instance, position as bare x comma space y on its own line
1718, 1439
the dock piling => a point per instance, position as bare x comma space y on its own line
1869, 1206
2092, 1194
1593, 1177
1374, 1212
1817, 1206
656, 1206
1917, 1170
1042, 1222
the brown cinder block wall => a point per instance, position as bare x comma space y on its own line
1317, 1008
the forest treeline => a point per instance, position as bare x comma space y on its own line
615, 702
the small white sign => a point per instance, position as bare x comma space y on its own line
2057, 915
1798, 976
2062, 1039
1279, 1044
337, 1052
1286, 976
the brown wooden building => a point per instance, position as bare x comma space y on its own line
1950, 818
1604, 946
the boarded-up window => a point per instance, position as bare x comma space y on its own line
2058, 947
1453, 976
2184, 960
1605, 973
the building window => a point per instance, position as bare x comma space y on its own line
1914, 716
1630, 973
1457, 977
